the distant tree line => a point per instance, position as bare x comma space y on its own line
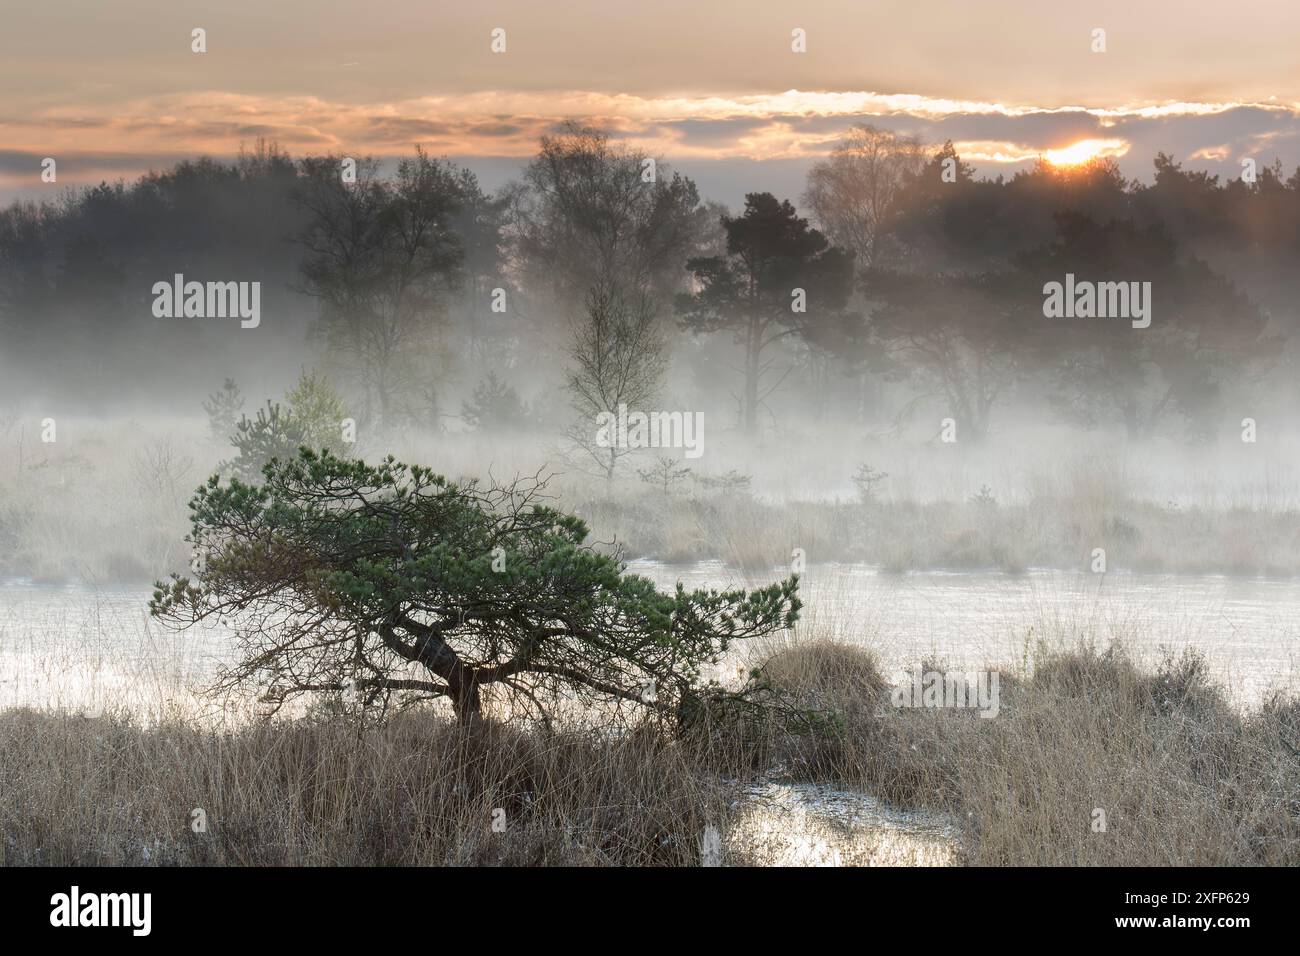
605, 267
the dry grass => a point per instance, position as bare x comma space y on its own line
414, 791
1182, 777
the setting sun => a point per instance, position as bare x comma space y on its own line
1084, 150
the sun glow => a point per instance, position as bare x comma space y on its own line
1076, 154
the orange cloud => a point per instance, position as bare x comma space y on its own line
508, 123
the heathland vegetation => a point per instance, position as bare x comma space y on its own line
1181, 777
453, 663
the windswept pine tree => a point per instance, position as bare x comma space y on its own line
391, 584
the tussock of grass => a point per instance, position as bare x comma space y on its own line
825, 674
1182, 777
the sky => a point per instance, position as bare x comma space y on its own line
113, 89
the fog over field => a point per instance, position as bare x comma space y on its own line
903, 346
908, 476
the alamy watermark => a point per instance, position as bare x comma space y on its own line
103, 909
208, 300
1098, 300
975, 690
651, 430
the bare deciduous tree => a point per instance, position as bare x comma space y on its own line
619, 359
852, 192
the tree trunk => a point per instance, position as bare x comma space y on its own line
751, 389
465, 701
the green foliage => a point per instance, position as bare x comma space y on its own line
665, 473
312, 417
495, 405
224, 409
273, 434
340, 575
318, 410
771, 251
